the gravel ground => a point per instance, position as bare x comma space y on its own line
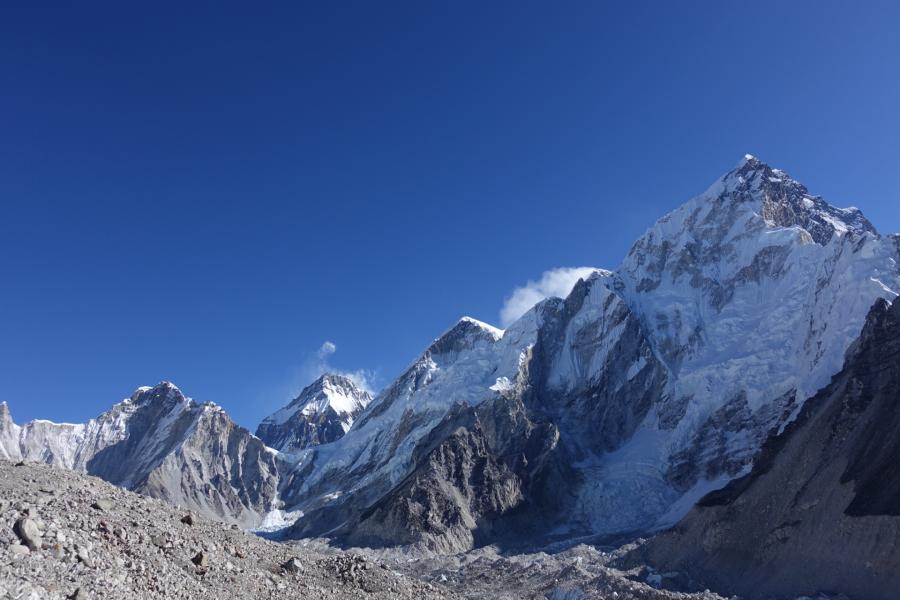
67, 535
578, 573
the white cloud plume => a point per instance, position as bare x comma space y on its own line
327, 348
553, 283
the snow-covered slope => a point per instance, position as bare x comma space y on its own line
322, 413
750, 295
466, 365
658, 381
161, 443
821, 508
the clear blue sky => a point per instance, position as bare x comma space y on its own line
207, 193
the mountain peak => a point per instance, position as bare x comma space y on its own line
331, 390
322, 413
747, 159
757, 197
497, 332
466, 333
162, 391
330, 379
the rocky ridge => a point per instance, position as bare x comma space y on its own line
161, 443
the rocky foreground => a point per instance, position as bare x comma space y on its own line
69, 535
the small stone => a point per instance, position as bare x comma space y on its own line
19, 550
201, 560
104, 505
292, 565
28, 532
58, 552
82, 554
79, 594
159, 541
188, 519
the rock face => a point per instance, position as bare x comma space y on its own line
615, 409
165, 445
321, 414
821, 508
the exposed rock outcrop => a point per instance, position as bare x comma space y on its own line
163, 444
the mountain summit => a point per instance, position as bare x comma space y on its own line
322, 413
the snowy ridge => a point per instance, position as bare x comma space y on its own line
460, 367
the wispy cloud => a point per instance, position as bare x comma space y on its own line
555, 282
327, 348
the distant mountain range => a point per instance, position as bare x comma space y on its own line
607, 413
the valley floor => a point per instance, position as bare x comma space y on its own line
578, 573
67, 535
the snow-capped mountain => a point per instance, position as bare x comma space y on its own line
821, 508
615, 409
322, 413
608, 412
163, 444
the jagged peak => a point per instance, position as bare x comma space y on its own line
750, 191
331, 383
747, 159
465, 333
330, 378
498, 333
164, 390
330, 390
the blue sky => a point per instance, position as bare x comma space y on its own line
206, 193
